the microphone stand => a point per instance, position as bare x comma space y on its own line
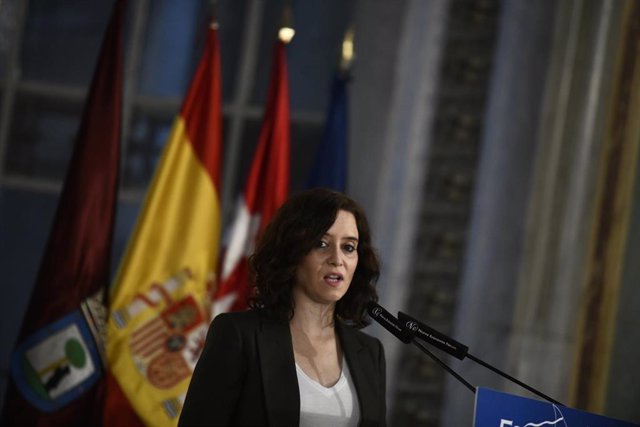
444, 366
458, 350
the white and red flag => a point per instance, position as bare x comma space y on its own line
266, 188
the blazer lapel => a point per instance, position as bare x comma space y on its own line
362, 371
280, 382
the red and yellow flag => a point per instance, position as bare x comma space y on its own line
267, 187
159, 304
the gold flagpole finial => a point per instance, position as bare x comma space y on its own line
286, 31
213, 7
348, 52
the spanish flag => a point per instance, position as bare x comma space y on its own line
159, 304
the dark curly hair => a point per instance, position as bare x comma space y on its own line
294, 230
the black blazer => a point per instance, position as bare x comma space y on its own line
246, 375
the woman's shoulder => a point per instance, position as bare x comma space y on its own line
243, 320
247, 317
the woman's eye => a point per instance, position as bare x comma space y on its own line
349, 248
322, 244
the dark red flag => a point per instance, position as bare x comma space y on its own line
57, 366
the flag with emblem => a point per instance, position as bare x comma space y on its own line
159, 303
266, 188
57, 366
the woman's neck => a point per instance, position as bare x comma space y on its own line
313, 318
316, 348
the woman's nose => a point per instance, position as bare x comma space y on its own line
334, 257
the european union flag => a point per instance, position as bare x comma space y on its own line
330, 166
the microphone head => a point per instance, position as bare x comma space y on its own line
408, 322
374, 309
433, 337
389, 322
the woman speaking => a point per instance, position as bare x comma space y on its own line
297, 356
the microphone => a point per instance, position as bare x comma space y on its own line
433, 337
389, 322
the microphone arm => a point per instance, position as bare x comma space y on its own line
391, 324
444, 366
460, 351
512, 379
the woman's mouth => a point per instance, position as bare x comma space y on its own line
333, 279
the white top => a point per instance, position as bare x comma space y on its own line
328, 406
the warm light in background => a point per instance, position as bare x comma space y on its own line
286, 31
347, 50
286, 34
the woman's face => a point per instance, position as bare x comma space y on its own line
325, 273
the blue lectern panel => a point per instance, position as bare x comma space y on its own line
495, 409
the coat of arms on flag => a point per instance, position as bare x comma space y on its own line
167, 347
56, 364
166, 334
